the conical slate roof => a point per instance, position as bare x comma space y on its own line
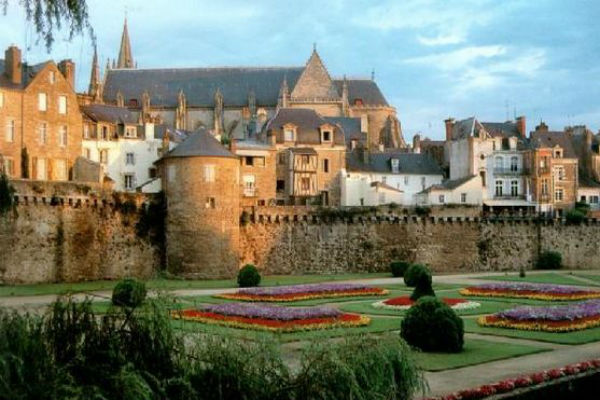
200, 144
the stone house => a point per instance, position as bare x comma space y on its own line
39, 118
387, 177
258, 162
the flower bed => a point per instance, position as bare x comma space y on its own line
272, 318
303, 292
563, 318
524, 381
530, 291
404, 303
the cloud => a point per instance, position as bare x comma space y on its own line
457, 59
442, 39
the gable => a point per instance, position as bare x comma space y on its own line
314, 82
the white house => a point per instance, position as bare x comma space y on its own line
125, 147
372, 179
463, 191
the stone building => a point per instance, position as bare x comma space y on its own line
258, 162
236, 102
200, 182
40, 118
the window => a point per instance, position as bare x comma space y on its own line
482, 175
171, 173
543, 162
281, 158
406, 180
325, 165
305, 160
280, 185
249, 187
545, 187
498, 163
62, 104
60, 170
210, 202
560, 173
288, 135
463, 197
593, 199
326, 136
42, 102
104, 135
558, 194
583, 199
10, 130
43, 133
209, 173
249, 161
1, 99
395, 165
305, 184
130, 132
441, 199
130, 159
499, 187
86, 131
152, 172
557, 153
104, 156
62, 136
514, 164
51, 77
40, 166
129, 181
358, 102
514, 188
9, 166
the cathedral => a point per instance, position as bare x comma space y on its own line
237, 102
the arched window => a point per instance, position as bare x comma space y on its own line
514, 163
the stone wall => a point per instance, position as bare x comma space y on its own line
67, 241
293, 245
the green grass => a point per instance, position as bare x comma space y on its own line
578, 337
513, 301
377, 325
476, 351
174, 284
595, 278
365, 307
548, 277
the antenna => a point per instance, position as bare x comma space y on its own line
373, 74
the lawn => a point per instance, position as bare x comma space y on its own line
365, 307
436, 286
175, 284
476, 351
513, 301
595, 278
376, 325
578, 337
548, 277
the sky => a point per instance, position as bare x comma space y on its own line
432, 59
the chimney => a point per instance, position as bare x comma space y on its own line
12, 67
417, 143
67, 68
522, 126
449, 127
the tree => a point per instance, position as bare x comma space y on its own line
48, 16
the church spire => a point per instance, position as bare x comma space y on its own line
125, 58
94, 88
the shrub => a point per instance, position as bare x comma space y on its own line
575, 216
361, 367
248, 276
6, 194
419, 277
398, 268
549, 260
422, 211
431, 325
129, 293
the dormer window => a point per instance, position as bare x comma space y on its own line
326, 136
130, 132
395, 165
289, 133
558, 153
358, 102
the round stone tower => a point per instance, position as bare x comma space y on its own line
200, 181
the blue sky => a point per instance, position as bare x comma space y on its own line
432, 59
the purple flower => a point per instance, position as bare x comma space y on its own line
568, 312
256, 310
535, 287
309, 288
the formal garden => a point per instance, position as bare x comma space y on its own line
366, 336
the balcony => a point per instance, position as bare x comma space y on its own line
509, 197
510, 171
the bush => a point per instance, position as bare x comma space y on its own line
248, 276
575, 216
549, 260
129, 293
419, 277
6, 194
398, 268
431, 325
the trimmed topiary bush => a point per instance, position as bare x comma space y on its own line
248, 276
129, 293
575, 216
398, 268
419, 277
431, 325
549, 260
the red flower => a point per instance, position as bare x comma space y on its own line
538, 377
504, 386
523, 381
487, 390
571, 369
555, 373
469, 394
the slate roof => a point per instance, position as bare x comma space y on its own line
501, 129
364, 89
199, 84
450, 184
175, 135
307, 123
29, 72
199, 144
110, 114
472, 127
350, 126
409, 163
540, 139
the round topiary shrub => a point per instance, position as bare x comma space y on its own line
431, 325
549, 260
398, 268
419, 277
248, 276
575, 216
129, 293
